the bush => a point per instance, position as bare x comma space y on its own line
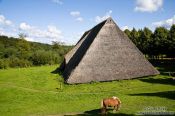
4, 64
9, 52
42, 57
16, 62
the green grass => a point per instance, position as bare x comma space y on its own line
37, 91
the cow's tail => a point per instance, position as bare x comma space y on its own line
119, 103
102, 105
103, 109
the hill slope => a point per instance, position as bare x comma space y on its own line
15, 52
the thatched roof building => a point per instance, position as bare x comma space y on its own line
105, 53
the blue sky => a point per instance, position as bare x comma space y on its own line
66, 20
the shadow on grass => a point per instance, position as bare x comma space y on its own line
165, 94
58, 71
167, 81
97, 112
164, 66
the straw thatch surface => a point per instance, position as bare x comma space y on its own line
105, 53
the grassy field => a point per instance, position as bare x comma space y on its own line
36, 91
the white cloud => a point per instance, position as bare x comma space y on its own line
4, 21
8, 22
57, 2
80, 19
8, 33
73, 38
102, 18
165, 23
124, 28
29, 39
33, 32
6, 27
24, 26
75, 13
51, 33
1, 31
148, 5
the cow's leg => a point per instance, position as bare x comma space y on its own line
114, 109
103, 110
117, 107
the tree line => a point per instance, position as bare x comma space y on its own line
155, 45
17, 52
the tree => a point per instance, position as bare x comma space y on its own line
145, 37
9, 52
18, 52
23, 46
22, 36
134, 36
171, 41
128, 32
56, 45
160, 40
1, 50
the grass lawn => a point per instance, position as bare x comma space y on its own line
36, 91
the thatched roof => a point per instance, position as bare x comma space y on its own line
105, 53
